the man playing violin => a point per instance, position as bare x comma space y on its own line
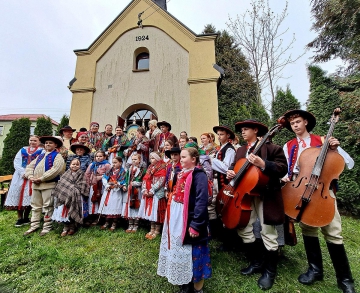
268, 207
301, 123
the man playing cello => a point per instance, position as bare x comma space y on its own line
301, 123
268, 207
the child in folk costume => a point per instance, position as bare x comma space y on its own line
168, 145
81, 152
153, 202
184, 252
111, 201
172, 170
19, 195
71, 194
131, 204
94, 174
44, 172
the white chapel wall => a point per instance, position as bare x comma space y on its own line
164, 87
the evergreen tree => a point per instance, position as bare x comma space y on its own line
238, 89
17, 137
324, 98
43, 127
284, 101
337, 23
259, 112
63, 122
326, 94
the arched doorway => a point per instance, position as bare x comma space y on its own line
135, 116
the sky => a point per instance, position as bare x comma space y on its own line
38, 38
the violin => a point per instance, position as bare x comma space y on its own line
307, 199
233, 202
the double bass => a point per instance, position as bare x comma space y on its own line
307, 199
233, 203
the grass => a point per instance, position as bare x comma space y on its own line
100, 261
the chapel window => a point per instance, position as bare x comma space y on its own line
141, 59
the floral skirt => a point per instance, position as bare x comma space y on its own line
201, 261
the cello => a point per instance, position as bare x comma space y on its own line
307, 199
233, 203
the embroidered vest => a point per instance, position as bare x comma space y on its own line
49, 162
220, 156
293, 147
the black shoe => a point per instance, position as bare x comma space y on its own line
314, 257
187, 288
26, 221
347, 286
19, 223
342, 268
267, 279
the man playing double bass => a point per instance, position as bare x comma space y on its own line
301, 123
268, 207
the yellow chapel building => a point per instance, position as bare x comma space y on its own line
147, 65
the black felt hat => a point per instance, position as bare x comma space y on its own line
224, 128
58, 142
76, 145
172, 151
305, 115
167, 124
67, 127
252, 123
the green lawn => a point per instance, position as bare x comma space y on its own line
101, 261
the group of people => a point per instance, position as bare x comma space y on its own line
174, 184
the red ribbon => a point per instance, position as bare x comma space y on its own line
22, 194
65, 212
107, 197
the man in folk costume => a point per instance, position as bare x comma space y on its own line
165, 134
268, 207
301, 123
223, 159
67, 135
116, 144
44, 172
95, 137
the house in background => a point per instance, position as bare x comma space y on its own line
6, 122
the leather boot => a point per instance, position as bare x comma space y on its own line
342, 268
267, 278
255, 253
314, 257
